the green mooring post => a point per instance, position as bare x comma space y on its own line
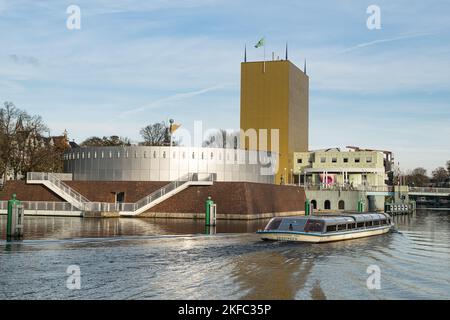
9, 222
208, 204
307, 207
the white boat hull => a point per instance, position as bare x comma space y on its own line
319, 238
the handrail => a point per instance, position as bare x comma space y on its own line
346, 187
85, 205
48, 176
429, 189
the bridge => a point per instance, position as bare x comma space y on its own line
383, 190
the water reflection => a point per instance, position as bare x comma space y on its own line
174, 259
74, 227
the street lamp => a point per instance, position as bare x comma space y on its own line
171, 121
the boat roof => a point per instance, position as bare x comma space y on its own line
341, 218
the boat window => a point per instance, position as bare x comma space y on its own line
368, 223
351, 226
342, 227
383, 222
274, 224
314, 226
331, 228
360, 225
376, 223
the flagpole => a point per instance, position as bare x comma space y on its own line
264, 63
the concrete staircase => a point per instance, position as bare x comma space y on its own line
164, 193
52, 182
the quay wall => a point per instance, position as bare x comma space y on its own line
235, 200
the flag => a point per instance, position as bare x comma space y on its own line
174, 127
260, 43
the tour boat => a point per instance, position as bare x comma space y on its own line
327, 228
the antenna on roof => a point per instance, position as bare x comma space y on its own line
245, 53
286, 50
304, 68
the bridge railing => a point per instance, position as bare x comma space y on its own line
346, 187
429, 190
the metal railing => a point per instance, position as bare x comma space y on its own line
132, 207
64, 188
346, 187
43, 205
429, 190
85, 205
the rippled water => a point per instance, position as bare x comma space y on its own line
172, 259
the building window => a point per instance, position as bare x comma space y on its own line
103, 154
327, 205
212, 155
203, 156
369, 159
193, 155
82, 155
88, 155
341, 205
135, 154
118, 154
314, 204
323, 160
299, 160
145, 154
164, 154
334, 160
174, 155
184, 155
345, 160
126, 154
154, 154
95, 154
357, 160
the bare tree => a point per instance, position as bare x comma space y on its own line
440, 175
222, 139
418, 177
22, 143
156, 134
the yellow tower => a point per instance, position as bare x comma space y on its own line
275, 95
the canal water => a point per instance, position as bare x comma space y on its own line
174, 259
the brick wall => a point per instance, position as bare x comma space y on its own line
231, 197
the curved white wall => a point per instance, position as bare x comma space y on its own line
139, 163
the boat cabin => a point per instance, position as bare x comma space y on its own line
329, 223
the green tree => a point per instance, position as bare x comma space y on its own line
110, 141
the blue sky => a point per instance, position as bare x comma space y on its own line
138, 62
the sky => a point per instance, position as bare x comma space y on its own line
133, 63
